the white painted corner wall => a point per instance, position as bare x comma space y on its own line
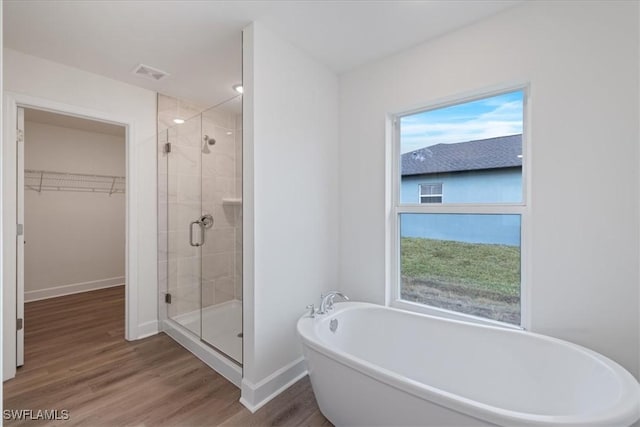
290, 215
95, 96
585, 216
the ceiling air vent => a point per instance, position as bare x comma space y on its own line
149, 72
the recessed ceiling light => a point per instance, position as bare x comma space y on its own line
178, 121
519, 156
229, 133
238, 88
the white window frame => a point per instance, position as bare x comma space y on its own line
420, 195
394, 208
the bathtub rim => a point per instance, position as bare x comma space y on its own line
623, 412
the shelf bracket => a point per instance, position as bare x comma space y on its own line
41, 178
113, 185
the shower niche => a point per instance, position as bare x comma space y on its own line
200, 225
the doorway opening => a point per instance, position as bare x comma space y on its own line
71, 214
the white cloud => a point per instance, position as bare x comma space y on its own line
505, 119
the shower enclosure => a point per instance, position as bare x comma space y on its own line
200, 232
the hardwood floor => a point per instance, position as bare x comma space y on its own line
76, 359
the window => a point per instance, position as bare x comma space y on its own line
431, 193
463, 254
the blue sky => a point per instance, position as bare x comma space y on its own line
486, 118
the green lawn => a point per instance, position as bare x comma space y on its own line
493, 268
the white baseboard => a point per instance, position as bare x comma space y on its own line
147, 329
255, 396
74, 288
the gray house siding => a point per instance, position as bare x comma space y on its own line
485, 171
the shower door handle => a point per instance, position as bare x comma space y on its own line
191, 242
205, 221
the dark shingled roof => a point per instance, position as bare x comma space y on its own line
492, 153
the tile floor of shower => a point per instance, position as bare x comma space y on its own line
220, 327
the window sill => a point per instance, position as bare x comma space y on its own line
452, 315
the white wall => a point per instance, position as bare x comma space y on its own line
75, 240
60, 84
581, 59
2, 300
290, 195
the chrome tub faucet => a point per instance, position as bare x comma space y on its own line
326, 303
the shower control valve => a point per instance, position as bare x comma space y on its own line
206, 220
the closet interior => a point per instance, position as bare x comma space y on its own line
74, 190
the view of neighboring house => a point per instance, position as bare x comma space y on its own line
481, 171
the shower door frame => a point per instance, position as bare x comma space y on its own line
210, 354
171, 164
9, 171
173, 236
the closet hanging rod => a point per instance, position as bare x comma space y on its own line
43, 180
86, 175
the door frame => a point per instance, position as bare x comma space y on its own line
20, 237
9, 218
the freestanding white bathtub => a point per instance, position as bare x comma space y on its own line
387, 367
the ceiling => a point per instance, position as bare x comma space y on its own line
199, 42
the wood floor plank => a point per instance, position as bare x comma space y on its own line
77, 359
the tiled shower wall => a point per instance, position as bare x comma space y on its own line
191, 182
221, 197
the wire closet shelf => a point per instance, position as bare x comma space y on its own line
40, 180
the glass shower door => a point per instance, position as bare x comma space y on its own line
222, 253
186, 230
200, 176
